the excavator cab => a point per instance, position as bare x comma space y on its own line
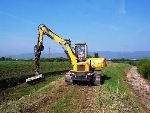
81, 51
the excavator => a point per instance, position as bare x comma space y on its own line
82, 69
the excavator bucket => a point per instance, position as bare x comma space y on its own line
36, 77
37, 65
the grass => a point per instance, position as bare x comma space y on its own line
114, 94
9, 69
116, 74
63, 103
13, 99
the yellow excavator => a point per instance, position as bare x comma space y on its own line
83, 68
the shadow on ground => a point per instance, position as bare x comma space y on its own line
89, 83
104, 78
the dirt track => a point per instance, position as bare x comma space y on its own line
85, 98
82, 102
139, 86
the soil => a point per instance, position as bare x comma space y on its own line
84, 100
140, 87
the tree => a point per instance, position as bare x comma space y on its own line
89, 56
96, 55
2, 58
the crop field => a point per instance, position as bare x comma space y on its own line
10, 69
13, 73
53, 95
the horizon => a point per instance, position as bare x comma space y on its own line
7, 55
106, 54
106, 25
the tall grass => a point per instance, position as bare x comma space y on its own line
144, 68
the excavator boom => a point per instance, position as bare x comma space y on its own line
43, 30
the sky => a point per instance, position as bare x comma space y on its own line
105, 25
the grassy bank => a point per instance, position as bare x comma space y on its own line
16, 98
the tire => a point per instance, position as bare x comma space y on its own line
68, 79
74, 82
97, 80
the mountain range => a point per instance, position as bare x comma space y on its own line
105, 54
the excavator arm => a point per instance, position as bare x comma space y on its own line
43, 30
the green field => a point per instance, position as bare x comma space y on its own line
11, 69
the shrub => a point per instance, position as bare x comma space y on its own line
144, 68
134, 63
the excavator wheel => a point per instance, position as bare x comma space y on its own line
68, 78
69, 82
97, 80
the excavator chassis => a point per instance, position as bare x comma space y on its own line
95, 78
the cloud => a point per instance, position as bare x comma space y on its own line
122, 7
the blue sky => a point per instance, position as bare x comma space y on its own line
106, 25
